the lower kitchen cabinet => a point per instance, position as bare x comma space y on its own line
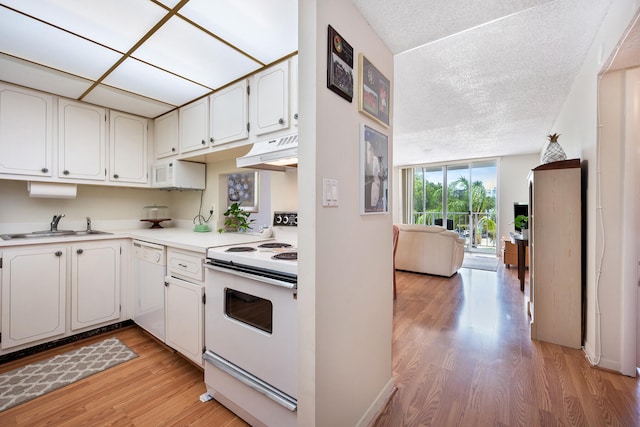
184, 310
33, 294
51, 291
95, 283
184, 303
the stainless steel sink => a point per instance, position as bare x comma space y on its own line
47, 233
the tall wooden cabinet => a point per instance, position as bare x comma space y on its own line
555, 244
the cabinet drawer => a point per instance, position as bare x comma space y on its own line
185, 264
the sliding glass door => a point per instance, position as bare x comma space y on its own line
468, 206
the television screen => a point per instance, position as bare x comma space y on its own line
520, 209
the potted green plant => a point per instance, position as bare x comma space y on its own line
522, 222
236, 219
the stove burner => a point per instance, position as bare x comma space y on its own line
288, 256
274, 245
241, 249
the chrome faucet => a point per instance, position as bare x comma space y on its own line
88, 223
55, 221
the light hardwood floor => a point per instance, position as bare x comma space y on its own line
461, 357
158, 388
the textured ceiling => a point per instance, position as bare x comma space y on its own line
480, 79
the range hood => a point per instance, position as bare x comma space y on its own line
277, 154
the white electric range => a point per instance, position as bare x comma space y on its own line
251, 326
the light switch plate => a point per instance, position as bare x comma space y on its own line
329, 192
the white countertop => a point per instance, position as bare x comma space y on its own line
182, 238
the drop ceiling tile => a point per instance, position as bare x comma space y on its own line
128, 102
266, 30
135, 76
40, 43
169, 3
182, 49
37, 77
115, 23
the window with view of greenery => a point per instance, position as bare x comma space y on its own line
469, 204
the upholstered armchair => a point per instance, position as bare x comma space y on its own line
429, 249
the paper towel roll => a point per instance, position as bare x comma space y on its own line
52, 190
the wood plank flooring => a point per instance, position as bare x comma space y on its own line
158, 388
461, 357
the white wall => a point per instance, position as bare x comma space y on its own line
578, 123
513, 187
345, 276
19, 213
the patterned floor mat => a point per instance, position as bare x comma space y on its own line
34, 380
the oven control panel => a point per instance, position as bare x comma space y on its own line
285, 219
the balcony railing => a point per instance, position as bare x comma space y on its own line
477, 228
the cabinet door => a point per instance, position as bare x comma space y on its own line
166, 135
293, 93
185, 318
81, 141
194, 126
230, 114
33, 294
95, 283
128, 148
271, 99
26, 135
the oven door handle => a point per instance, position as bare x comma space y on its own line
263, 279
251, 380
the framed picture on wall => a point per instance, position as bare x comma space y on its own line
243, 189
374, 91
339, 65
374, 171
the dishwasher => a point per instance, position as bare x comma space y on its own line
149, 271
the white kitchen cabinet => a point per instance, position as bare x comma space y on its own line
81, 141
293, 92
184, 303
166, 135
194, 126
33, 294
184, 311
229, 112
95, 283
127, 149
26, 132
270, 100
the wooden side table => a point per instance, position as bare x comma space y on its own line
522, 244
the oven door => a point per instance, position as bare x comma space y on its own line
252, 323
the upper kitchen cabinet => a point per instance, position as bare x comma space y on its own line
127, 149
81, 141
270, 100
293, 92
26, 132
194, 126
167, 135
229, 111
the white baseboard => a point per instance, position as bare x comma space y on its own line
377, 405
